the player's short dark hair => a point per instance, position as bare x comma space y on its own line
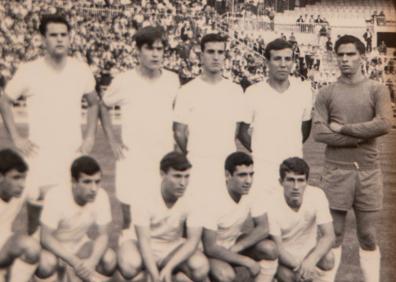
10, 160
148, 35
294, 164
236, 159
175, 160
277, 44
212, 37
52, 18
86, 165
346, 39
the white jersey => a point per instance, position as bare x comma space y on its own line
298, 229
227, 217
8, 213
211, 112
71, 221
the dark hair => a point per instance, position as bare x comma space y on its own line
10, 160
175, 160
212, 37
84, 164
236, 159
277, 44
47, 19
148, 35
345, 39
294, 164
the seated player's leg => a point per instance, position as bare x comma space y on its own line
129, 260
48, 265
285, 274
196, 267
220, 271
21, 253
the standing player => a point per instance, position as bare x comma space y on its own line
53, 86
349, 116
280, 114
226, 242
207, 113
295, 218
146, 95
157, 245
19, 253
68, 214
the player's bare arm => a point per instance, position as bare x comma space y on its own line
143, 238
213, 250
92, 120
100, 245
180, 132
182, 254
118, 148
243, 135
23, 145
259, 233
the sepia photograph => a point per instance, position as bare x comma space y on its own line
197, 140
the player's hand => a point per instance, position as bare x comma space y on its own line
166, 275
118, 149
83, 270
153, 278
253, 267
307, 271
336, 127
25, 146
86, 146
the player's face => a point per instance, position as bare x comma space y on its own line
13, 183
280, 64
293, 188
213, 57
349, 59
57, 39
241, 180
176, 181
151, 56
86, 187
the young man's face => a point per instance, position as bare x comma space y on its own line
280, 64
349, 59
57, 39
13, 183
151, 57
86, 187
175, 181
213, 57
293, 188
241, 180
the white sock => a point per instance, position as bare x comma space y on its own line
21, 271
370, 263
268, 270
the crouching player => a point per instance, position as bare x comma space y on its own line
295, 217
156, 244
226, 242
68, 214
19, 254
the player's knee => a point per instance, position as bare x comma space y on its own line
47, 266
267, 250
367, 240
199, 266
129, 264
29, 248
285, 274
327, 262
109, 262
224, 275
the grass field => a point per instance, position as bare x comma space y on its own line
349, 270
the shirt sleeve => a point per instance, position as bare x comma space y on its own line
210, 218
140, 215
183, 108
89, 82
322, 208
51, 214
249, 105
307, 115
258, 204
194, 217
18, 85
103, 209
114, 95
241, 109
273, 223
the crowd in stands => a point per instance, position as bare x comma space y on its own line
102, 36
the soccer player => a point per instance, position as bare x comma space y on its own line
349, 116
18, 253
69, 212
281, 102
156, 245
226, 239
53, 86
208, 110
146, 96
295, 217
